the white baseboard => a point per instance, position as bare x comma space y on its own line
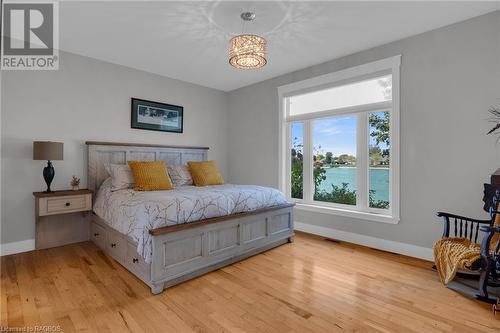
376, 243
17, 247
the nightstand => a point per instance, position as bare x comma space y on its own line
62, 217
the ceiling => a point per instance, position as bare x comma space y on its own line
188, 40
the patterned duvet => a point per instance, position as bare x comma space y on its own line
135, 213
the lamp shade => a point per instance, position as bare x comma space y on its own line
47, 150
247, 51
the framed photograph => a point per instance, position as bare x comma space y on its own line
156, 116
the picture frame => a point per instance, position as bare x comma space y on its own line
156, 116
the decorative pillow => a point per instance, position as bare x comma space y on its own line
205, 173
121, 176
179, 175
150, 175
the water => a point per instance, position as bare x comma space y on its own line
379, 181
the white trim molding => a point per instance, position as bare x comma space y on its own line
348, 73
410, 250
368, 216
17, 247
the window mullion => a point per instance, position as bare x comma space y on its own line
288, 159
362, 194
308, 162
373, 107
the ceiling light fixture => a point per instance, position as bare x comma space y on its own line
247, 51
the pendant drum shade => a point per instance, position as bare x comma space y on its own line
247, 51
47, 150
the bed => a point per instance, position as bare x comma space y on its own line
167, 237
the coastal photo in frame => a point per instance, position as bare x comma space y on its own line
156, 116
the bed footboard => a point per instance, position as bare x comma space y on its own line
182, 255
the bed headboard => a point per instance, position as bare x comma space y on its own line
100, 153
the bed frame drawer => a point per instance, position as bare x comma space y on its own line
120, 248
116, 245
98, 235
136, 264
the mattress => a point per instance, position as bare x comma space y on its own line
135, 213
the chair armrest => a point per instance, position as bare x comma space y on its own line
486, 228
458, 217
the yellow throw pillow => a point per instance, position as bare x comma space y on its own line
205, 173
150, 175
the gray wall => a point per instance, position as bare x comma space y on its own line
87, 99
449, 78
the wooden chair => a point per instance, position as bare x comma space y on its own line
488, 265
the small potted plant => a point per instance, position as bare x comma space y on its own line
495, 118
75, 183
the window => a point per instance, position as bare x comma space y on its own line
340, 140
334, 159
379, 153
357, 93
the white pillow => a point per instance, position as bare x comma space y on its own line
179, 175
121, 176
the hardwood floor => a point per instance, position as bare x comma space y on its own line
312, 285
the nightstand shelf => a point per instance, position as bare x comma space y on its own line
62, 217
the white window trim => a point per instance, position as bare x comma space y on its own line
391, 65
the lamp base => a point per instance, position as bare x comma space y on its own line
48, 175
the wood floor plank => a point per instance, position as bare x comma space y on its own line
311, 285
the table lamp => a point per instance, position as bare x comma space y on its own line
48, 151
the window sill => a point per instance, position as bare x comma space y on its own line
348, 213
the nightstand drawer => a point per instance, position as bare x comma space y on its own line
66, 204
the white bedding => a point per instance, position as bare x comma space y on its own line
135, 213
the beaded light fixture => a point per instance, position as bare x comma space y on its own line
247, 51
